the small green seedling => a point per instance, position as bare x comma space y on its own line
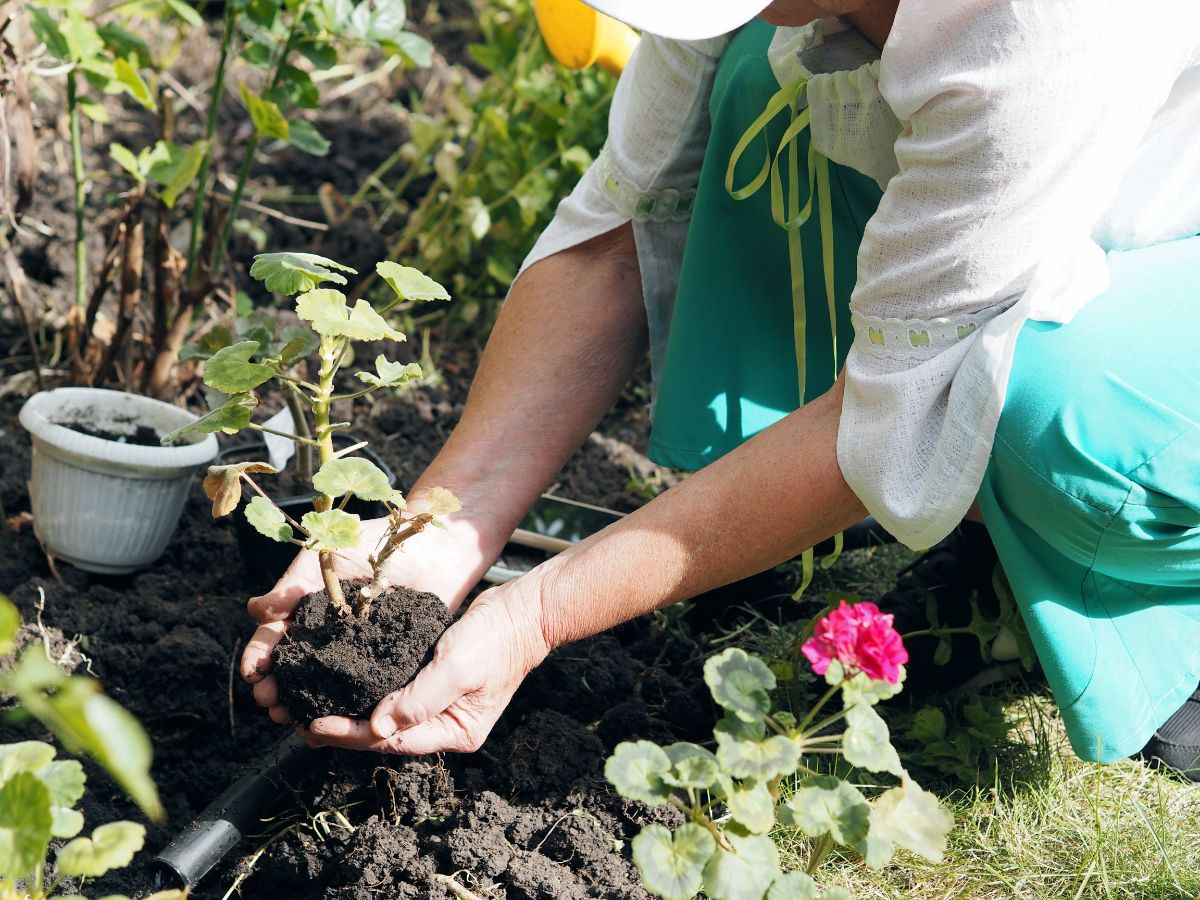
760, 778
237, 369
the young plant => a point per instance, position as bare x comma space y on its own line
239, 368
38, 792
761, 775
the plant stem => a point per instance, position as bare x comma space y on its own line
299, 439
400, 532
210, 130
300, 425
330, 354
80, 196
816, 709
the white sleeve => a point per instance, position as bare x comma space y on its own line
1019, 121
648, 170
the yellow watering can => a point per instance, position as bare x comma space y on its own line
579, 37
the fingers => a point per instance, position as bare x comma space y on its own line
256, 658
266, 692
446, 732
437, 687
302, 577
279, 715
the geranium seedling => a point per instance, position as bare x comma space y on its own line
239, 368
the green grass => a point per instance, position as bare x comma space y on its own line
1036, 822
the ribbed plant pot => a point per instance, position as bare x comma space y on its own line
103, 505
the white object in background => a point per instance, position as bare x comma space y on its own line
280, 449
107, 506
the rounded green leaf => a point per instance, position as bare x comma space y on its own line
329, 315
25, 824
908, 817
740, 683
692, 766
333, 529
269, 120
751, 806
638, 770
409, 283
823, 804
230, 371
111, 846
24, 756
672, 865
230, 418
867, 691
390, 374
65, 780
267, 519
353, 475
867, 742
745, 874
292, 273
793, 886
758, 758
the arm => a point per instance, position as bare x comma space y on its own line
566, 341
776, 495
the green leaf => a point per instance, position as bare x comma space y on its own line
793, 886
231, 372
672, 865
908, 817
928, 725
24, 756
304, 136
293, 273
122, 42
132, 81
751, 806
64, 779
175, 168
25, 824
298, 85
823, 804
740, 683
440, 502
333, 529
93, 110
10, 624
82, 39
262, 12
320, 54
692, 766
299, 342
216, 338
124, 158
861, 690
46, 30
760, 759
327, 311
111, 846
410, 283
745, 874
353, 475
257, 53
638, 771
413, 47
267, 519
223, 484
269, 120
390, 374
230, 418
186, 12
867, 742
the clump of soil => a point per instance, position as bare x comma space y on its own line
327, 665
142, 435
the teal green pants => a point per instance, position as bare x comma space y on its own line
1093, 493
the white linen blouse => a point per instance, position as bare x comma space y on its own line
1018, 142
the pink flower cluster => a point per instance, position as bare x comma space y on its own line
861, 638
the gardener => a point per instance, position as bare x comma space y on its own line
1009, 191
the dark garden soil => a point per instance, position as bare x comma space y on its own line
327, 665
142, 435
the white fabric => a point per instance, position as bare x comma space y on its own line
1018, 141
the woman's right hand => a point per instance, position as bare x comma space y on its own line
447, 562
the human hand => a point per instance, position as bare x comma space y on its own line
447, 562
454, 702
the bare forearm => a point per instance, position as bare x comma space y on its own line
565, 343
767, 501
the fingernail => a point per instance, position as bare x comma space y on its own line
385, 726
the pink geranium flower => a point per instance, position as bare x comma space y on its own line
861, 638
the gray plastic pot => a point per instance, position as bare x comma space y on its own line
103, 505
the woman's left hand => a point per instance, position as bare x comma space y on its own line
455, 700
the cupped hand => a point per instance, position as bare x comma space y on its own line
447, 562
454, 702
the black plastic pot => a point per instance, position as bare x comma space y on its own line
264, 559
